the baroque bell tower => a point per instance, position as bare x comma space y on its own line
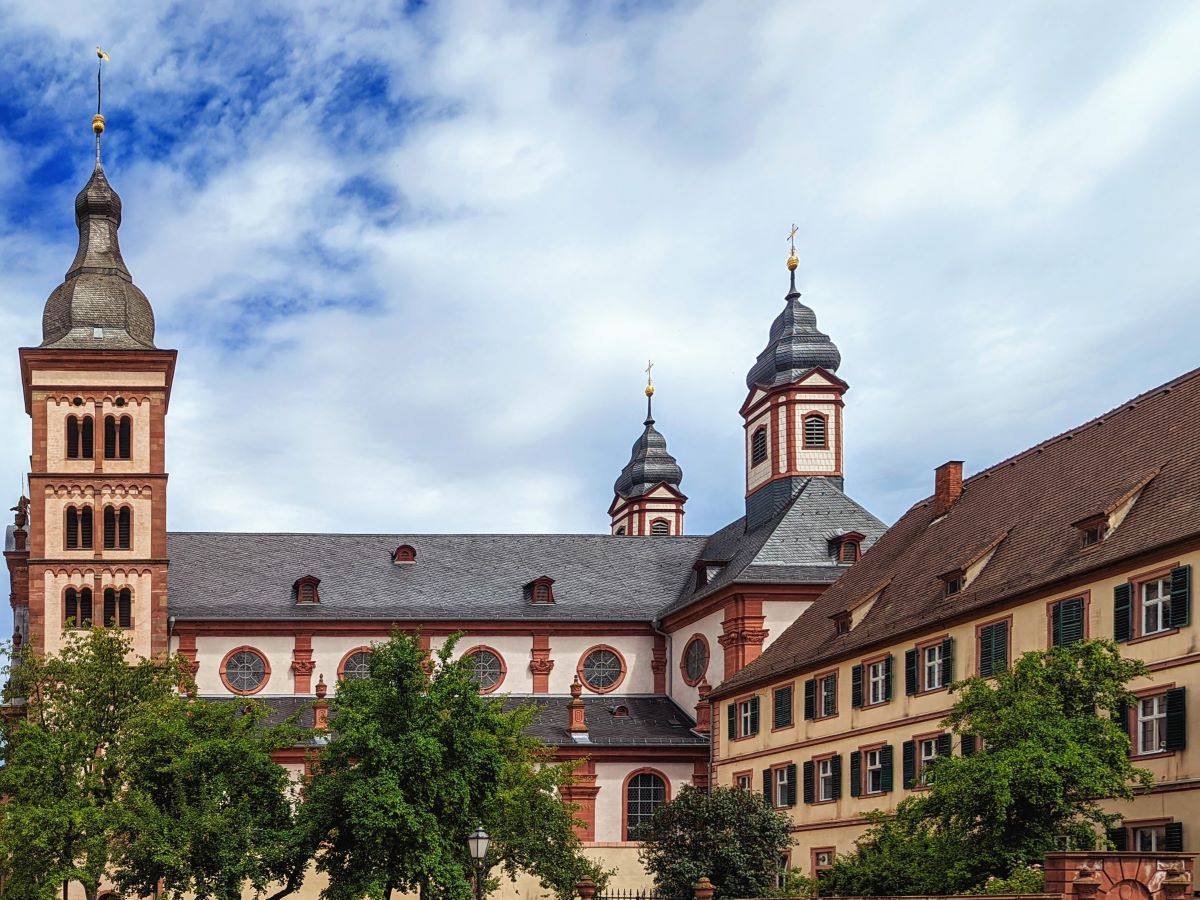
96, 390
646, 496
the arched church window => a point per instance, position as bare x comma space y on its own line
645, 793
814, 431
758, 446
79, 437
118, 608
245, 671
118, 437
602, 669
79, 607
487, 667
660, 526
118, 524
357, 665
695, 660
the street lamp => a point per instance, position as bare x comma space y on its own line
478, 843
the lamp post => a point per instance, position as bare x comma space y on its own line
478, 844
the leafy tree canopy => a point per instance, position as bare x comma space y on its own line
418, 759
731, 836
1051, 749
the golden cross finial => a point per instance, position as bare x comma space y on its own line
649, 378
793, 260
98, 118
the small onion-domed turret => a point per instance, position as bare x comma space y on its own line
795, 347
650, 464
648, 500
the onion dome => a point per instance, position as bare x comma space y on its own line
650, 464
796, 347
98, 306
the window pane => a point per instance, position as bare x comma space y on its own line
357, 666
485, 666
601, 669
695, 660
245, 671
646, 792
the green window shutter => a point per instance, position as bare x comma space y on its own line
887, 679
947, 661
855, 773
770, 796
993, 649
783, 707
943, 744
1176, 738
1070, 621
808, 782
885, 759
754, 715
1174, 837
1000, 647
810, 698
830, 701
1118, 838
1056, 639
731, 720
791, 785
1120, 715
910, 672
1181, 596
985, 651
968, 745
856, 686
837, 776
909, 754
1122, 612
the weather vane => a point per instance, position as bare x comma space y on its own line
98, 119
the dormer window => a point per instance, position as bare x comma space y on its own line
540, 590
1092, 530
306, 591
404, 555
758, 446
841, 622
846, 548
953, 581
620, 712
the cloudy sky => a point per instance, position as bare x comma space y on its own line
414, 259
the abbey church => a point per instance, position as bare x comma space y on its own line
617, 636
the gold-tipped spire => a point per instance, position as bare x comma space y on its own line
793, 260
649, 378
98, 119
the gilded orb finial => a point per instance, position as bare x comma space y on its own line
793, 260
649, 378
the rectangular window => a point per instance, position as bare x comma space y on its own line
877, 676
874, 771
782, 787
827, 695
928, 748
741, 781
783, 706
1151, 839
933, 667
781, 870
1068, 622
825, 789
1156, 605
822, 858
1152, 724
993, 648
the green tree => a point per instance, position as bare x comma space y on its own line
1051, 751
419, 758
207, 810
731, 836
61, 778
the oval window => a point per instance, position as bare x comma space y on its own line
695, 660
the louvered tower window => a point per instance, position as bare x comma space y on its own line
660, 526
118, 437
814, 431
758, 447
79, 607
79, 437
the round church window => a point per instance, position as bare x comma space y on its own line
602, 669
695, 660
245, 671
357, 665
487, 667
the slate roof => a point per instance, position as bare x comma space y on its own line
795, 347
791, 548
652, 720
649, 463
597, 577
1034, 498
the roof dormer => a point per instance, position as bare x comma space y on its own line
540, 590
846, 548
305, 590
404, 555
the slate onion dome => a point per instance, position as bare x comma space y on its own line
795, 346
98, 306
650, 464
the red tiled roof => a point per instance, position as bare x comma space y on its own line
1034, 499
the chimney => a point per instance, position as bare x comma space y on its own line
947, 486
578, 722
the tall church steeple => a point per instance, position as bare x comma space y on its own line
97, 392
648, 500
793, 412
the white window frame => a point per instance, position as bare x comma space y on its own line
877, 682
826, 687
781, 786
825, 779
1152, 712
1157, 837
742, 782
873, 769
931, 667
1159, 604
744, 718
924, 759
